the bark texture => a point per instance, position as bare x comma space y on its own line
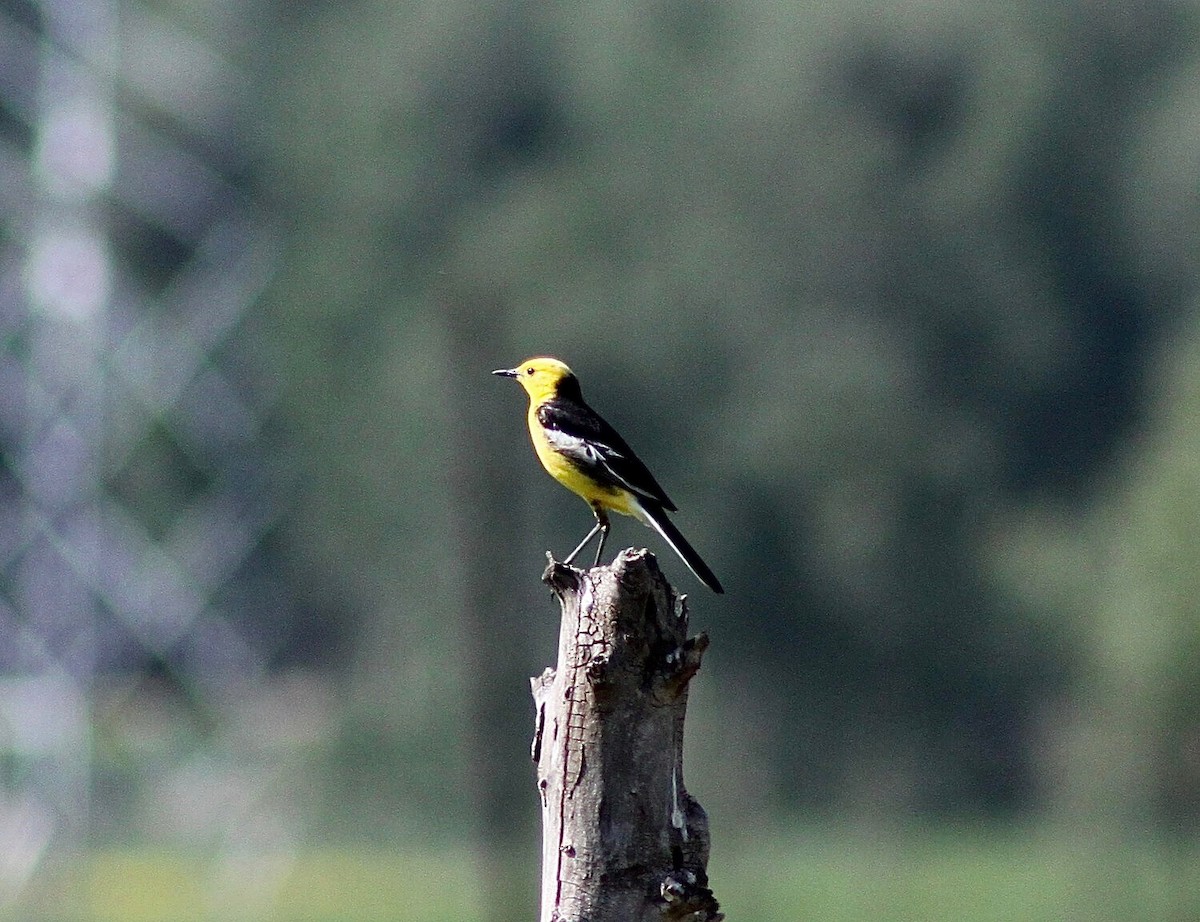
622, 840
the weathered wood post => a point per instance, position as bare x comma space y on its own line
622, 840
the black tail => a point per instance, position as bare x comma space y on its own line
657, 519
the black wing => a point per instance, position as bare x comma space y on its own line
577, 431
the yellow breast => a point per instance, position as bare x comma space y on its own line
562, 469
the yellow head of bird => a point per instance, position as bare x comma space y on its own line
539, 376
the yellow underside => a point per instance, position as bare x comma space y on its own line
565, 472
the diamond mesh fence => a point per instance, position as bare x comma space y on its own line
136, 489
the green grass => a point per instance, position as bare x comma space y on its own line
826, 877
336, 885
965, 878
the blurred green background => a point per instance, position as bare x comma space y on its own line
898, 300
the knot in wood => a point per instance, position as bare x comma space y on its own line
597, 669
686, 897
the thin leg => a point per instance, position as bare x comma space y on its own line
604, 525
582, 544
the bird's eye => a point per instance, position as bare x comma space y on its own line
529, 370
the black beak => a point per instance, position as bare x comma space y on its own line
505, 372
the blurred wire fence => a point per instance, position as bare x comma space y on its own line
136, 490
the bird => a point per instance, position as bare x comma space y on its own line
587, 456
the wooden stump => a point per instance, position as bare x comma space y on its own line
622, 840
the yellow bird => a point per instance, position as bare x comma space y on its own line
586, 455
